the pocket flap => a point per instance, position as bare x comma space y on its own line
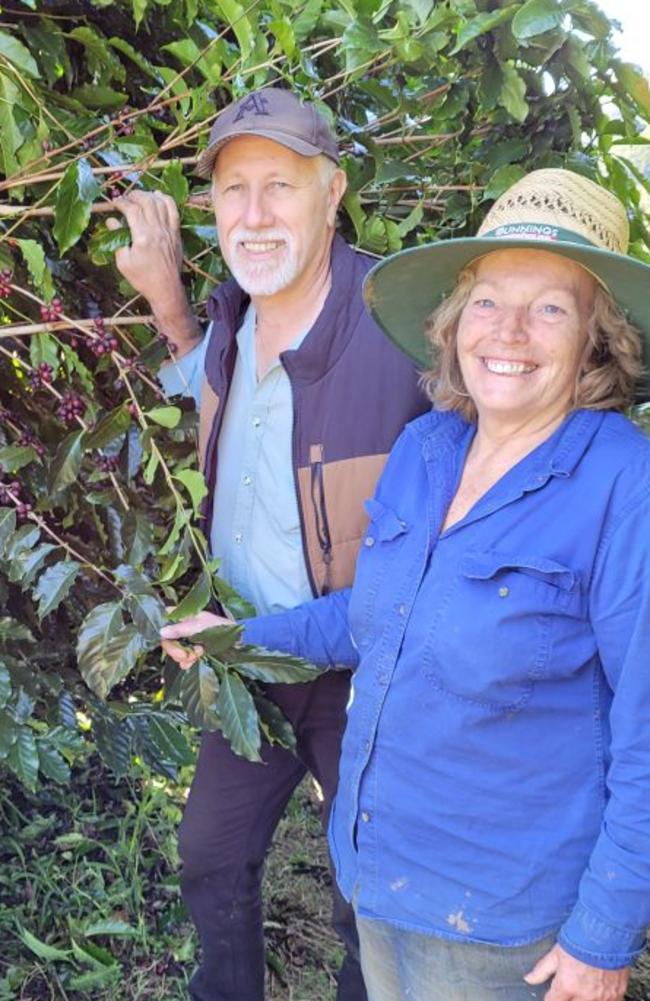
385, 524
483, 566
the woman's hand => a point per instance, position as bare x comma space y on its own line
183, 655
576, 981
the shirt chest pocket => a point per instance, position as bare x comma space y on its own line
379, 565
493, 632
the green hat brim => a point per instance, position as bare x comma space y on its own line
401, 291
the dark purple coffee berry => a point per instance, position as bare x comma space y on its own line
23, 511
70, 407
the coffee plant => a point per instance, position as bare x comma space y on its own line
438, 107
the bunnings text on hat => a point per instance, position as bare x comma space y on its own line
531, 230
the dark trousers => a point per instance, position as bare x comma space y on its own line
232, 811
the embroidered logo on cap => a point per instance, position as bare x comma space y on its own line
255, 105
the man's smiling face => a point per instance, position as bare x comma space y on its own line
275, 212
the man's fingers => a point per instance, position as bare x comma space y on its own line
544, 969
113, 223
171, 214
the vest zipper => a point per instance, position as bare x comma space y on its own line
320, 512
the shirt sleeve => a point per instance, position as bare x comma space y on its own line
607, 927
316, 630
184, 376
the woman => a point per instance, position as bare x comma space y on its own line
492, 819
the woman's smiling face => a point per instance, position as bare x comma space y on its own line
522, 334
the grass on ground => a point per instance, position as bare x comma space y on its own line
90, 905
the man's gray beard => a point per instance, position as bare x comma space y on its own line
264, 279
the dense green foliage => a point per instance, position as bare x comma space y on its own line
438, 107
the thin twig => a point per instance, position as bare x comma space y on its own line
194, 201
27, 329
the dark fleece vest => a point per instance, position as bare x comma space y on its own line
353, 391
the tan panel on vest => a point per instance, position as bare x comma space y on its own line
209, 407
347, 484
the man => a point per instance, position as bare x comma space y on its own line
301, 400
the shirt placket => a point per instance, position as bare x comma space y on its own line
256, 427
365, 829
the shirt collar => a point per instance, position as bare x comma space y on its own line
557, 456
246, 344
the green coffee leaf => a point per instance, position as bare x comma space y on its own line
275, 726
199, 690
18, 54
167, 417
535, 17
34, 256
194, 483
195, 600
238, 717
273, 667
14, 457
513, 93
113, 424
480, 24
67, 462
75, 195
23, 758
11, 138
53, 586
52, 764
102, 641
104, 242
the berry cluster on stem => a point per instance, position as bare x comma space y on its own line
52, 312
104, 342
41, 375
70, 407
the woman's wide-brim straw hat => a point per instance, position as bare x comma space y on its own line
554, 210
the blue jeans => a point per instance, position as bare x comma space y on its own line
400, 965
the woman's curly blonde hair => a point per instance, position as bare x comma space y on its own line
610, 367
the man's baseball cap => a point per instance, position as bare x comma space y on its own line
272, 114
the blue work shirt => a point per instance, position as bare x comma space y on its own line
495, 771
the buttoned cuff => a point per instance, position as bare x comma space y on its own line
586, 936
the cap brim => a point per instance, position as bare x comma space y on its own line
206, 161
401, 291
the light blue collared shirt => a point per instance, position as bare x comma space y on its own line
255, 529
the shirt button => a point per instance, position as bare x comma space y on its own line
368, 745
402, 609
382, 679
369, 541
256, 422
504, 592
365, 816
239, 537
247, 481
